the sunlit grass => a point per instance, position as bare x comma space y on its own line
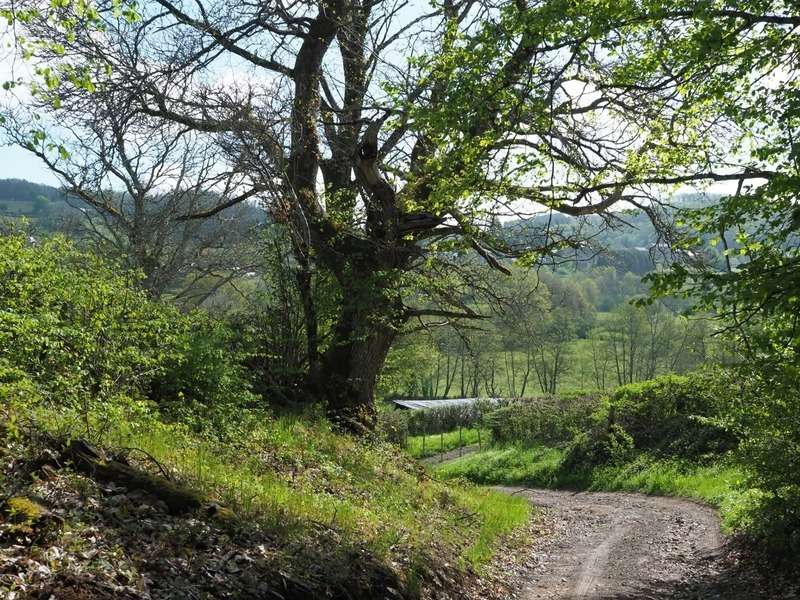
420, 446
710, 483
501, 514
294, 475
718, 483
507, 465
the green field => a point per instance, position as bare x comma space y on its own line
420, 446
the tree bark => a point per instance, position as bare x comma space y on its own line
303, 278
348, 372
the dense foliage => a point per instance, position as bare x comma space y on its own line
672, 417
741, 58
86, 354
542, 420
81, 332
678, 416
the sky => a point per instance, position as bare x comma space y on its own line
16, 163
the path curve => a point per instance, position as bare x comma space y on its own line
620, 546
626, 546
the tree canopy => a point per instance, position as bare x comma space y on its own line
392, 137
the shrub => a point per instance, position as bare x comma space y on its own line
272, 348
74, 325
672, 415
542, 420
77, 329
393, 426
203, 382
763, 409
776, 521
612, 446
18, 395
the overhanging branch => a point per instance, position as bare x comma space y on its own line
220, 207
437, 312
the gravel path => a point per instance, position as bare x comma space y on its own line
604, 546
624, 546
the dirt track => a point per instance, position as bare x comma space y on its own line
624, 546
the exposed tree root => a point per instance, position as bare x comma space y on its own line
89, 460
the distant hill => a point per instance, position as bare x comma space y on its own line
47, 210
630, 245
24, 198
627, 247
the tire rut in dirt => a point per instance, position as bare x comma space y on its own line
619, 546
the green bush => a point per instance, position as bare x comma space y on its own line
763, 409
18, 395
203, 381
672, 415
393, 426
273, 349
542, 420
775, 520
75, 325
612, 446
80, 330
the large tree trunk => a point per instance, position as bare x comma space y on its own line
305, 288
348, 375
348, 372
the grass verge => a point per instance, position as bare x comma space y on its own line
304, 485
718, 483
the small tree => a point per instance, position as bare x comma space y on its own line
154, 196
40, 205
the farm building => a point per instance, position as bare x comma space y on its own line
441, 403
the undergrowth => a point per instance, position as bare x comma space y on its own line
294, 475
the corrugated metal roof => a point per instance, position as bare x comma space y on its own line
423, 404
